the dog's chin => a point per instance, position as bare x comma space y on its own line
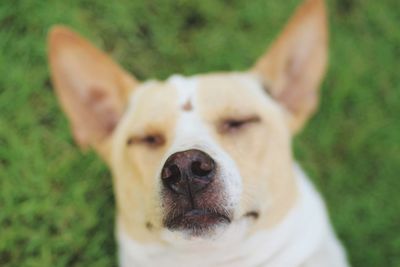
198, 223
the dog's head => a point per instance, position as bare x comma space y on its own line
196, 154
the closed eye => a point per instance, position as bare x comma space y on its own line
232, 125
150, 140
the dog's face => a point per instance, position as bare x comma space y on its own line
202, 157
196, 155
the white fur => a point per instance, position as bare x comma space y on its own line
186, 88
191, 132
304, 238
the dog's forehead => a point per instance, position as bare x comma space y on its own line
188, 93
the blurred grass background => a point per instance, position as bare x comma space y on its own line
56, 204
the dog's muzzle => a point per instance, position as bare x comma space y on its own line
192, 193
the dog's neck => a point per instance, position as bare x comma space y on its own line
288, 244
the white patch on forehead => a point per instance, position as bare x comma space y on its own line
186, 87
190, 130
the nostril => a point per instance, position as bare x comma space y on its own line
201, 168
171, 174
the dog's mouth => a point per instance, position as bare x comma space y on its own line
197, 221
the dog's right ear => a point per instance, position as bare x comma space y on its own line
92, 89
293, 67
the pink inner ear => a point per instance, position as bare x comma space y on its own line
101, 106
96, 94
294, 91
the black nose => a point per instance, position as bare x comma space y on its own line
188, 172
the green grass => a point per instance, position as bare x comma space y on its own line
56, 204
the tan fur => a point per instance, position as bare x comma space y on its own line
221, 96
294, 65
135, 168
90, 87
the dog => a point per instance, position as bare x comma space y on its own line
202, 166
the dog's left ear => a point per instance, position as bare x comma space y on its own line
93, 90
293, 67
